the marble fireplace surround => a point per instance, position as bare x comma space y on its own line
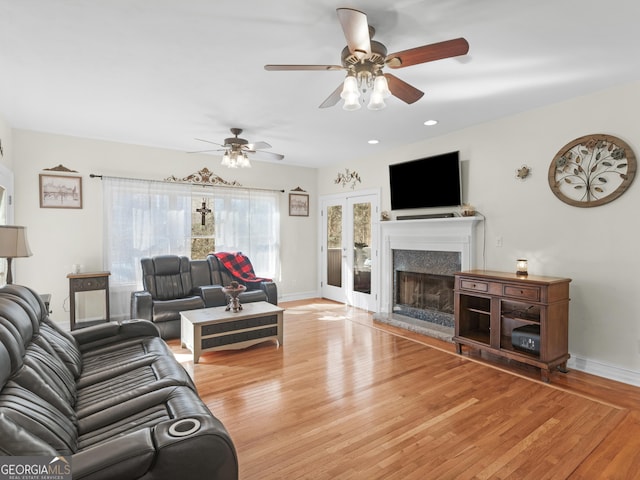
454, 234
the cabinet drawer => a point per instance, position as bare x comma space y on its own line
474, 285
87, 284
527, 293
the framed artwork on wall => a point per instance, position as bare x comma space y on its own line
60, 191
299, 204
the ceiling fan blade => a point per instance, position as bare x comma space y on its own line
356, 31
257, 146
333, 98
209, 141
206, 151
274, 68
428, 53
267, 155
402, 89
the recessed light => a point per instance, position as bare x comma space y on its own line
373, 141
429, 123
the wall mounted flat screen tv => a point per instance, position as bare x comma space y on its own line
426, 182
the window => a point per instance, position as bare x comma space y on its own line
146, 218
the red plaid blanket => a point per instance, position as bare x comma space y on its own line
239, 266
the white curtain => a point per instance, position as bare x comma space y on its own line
146, 218
141, 219
248, 221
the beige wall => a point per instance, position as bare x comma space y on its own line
60, 238
6, 137
596, 247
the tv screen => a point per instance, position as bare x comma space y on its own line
426, 182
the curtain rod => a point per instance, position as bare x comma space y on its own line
93, 175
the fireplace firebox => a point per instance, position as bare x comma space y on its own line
423, 284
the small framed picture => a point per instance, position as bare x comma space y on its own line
299, 204
60, 191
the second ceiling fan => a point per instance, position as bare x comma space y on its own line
364, 59
237, 150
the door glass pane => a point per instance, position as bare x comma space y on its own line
334, 246
362, 247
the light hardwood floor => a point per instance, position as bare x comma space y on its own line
349, 398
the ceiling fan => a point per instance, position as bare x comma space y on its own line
237, 150
364, 59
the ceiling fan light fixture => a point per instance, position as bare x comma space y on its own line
350, 93
351, 103
381, 86
350, 89
243, 161
376, 102
226, 160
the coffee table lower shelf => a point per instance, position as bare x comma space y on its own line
215, 328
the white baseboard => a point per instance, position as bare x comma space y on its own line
603, 370
291, 297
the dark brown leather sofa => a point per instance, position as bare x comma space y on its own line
175, 283
110, 396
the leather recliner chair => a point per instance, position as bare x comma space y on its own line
168, 290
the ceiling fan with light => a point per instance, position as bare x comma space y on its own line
364, 59
238, 150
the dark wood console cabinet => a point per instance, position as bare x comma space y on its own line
490, 305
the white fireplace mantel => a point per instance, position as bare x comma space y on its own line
453, 234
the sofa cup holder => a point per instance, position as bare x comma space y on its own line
184, 427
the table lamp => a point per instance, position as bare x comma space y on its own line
13, 243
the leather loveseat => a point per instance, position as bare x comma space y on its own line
175, 283
111, 397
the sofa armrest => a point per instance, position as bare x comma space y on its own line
182, 443
172, 449
113, 331
271, 290
212, 295
127, 457
141, 305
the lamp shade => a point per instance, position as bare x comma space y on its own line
13, 242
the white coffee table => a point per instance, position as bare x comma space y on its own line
215, 328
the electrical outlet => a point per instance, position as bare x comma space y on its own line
499, 241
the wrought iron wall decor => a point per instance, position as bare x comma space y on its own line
523, 172
60, 168
592, 170
203, 177
348, 177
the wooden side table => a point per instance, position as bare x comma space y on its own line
85, 282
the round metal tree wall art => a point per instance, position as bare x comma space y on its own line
592, 170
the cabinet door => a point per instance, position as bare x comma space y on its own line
520, 327
473, 318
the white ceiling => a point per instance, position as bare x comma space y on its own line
163, 72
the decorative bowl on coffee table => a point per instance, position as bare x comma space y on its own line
232, 291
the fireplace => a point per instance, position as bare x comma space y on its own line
419, 259
423, 284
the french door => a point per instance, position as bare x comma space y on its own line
349, 249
